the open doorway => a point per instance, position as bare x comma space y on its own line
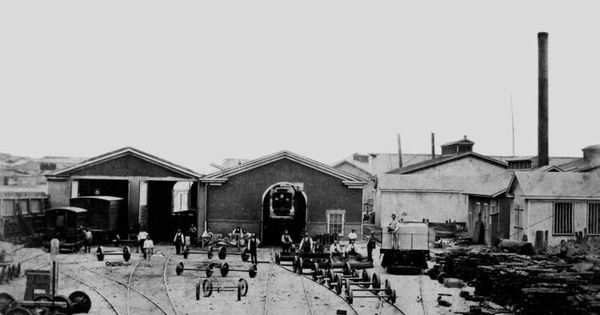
284, 207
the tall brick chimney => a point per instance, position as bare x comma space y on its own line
543, 158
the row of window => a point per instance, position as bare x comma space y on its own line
564, 222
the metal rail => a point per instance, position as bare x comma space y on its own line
306, 296
421, 293
112, 306
129, 288
339, 296
267, 295
165, 282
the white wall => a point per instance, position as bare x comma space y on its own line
539, 217
435, 206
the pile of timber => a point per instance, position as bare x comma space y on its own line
531, 284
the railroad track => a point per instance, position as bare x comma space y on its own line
111, 305
422, 300
165, 281
267, 295
381, 300
128, 288
309, 278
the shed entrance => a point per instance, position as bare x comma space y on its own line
284, 207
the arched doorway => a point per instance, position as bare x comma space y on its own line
284, 207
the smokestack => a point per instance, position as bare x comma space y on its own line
543, 159
432, 145
399, 152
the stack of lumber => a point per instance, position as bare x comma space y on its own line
532, 285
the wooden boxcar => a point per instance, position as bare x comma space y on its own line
64, 224
102, 217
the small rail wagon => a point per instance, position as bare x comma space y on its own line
409, 254
64, 224
104, 217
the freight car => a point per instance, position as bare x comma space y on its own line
64, 224
104, 218
410, 253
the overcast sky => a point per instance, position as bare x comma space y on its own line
195, 82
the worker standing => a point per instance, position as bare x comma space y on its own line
307, 244
148, 249
142, 235
179, 240
87, 240
253, 243
392, 228
371, 244
352, 236
286, 241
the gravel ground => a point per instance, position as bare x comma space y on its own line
275, 290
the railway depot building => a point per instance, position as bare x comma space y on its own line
150, 190
281, 191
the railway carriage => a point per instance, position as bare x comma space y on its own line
63, 223
104, 217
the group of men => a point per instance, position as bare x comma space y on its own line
249, 240
308, 245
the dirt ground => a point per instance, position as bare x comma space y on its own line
286, 293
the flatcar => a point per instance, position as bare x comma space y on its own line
103, 216
282, 202
409, 255
63, 223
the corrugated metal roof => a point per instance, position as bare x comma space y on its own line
485, 185
559, 184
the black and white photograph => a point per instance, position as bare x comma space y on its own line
299, 157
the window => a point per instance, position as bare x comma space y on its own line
494, 207
518, 217
563, 218
594, 218
335, 221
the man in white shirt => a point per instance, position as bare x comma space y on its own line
335, 248
352, 236
286, 241
142, 235
148, 249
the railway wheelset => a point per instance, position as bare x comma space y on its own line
77, 302
222, 253
353, 282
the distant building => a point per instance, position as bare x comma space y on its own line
19, 201
152, 189
548, 207
281, 191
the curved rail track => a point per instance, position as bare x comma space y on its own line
379, 309
309, 278
267, 295
111, 305
165, 281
